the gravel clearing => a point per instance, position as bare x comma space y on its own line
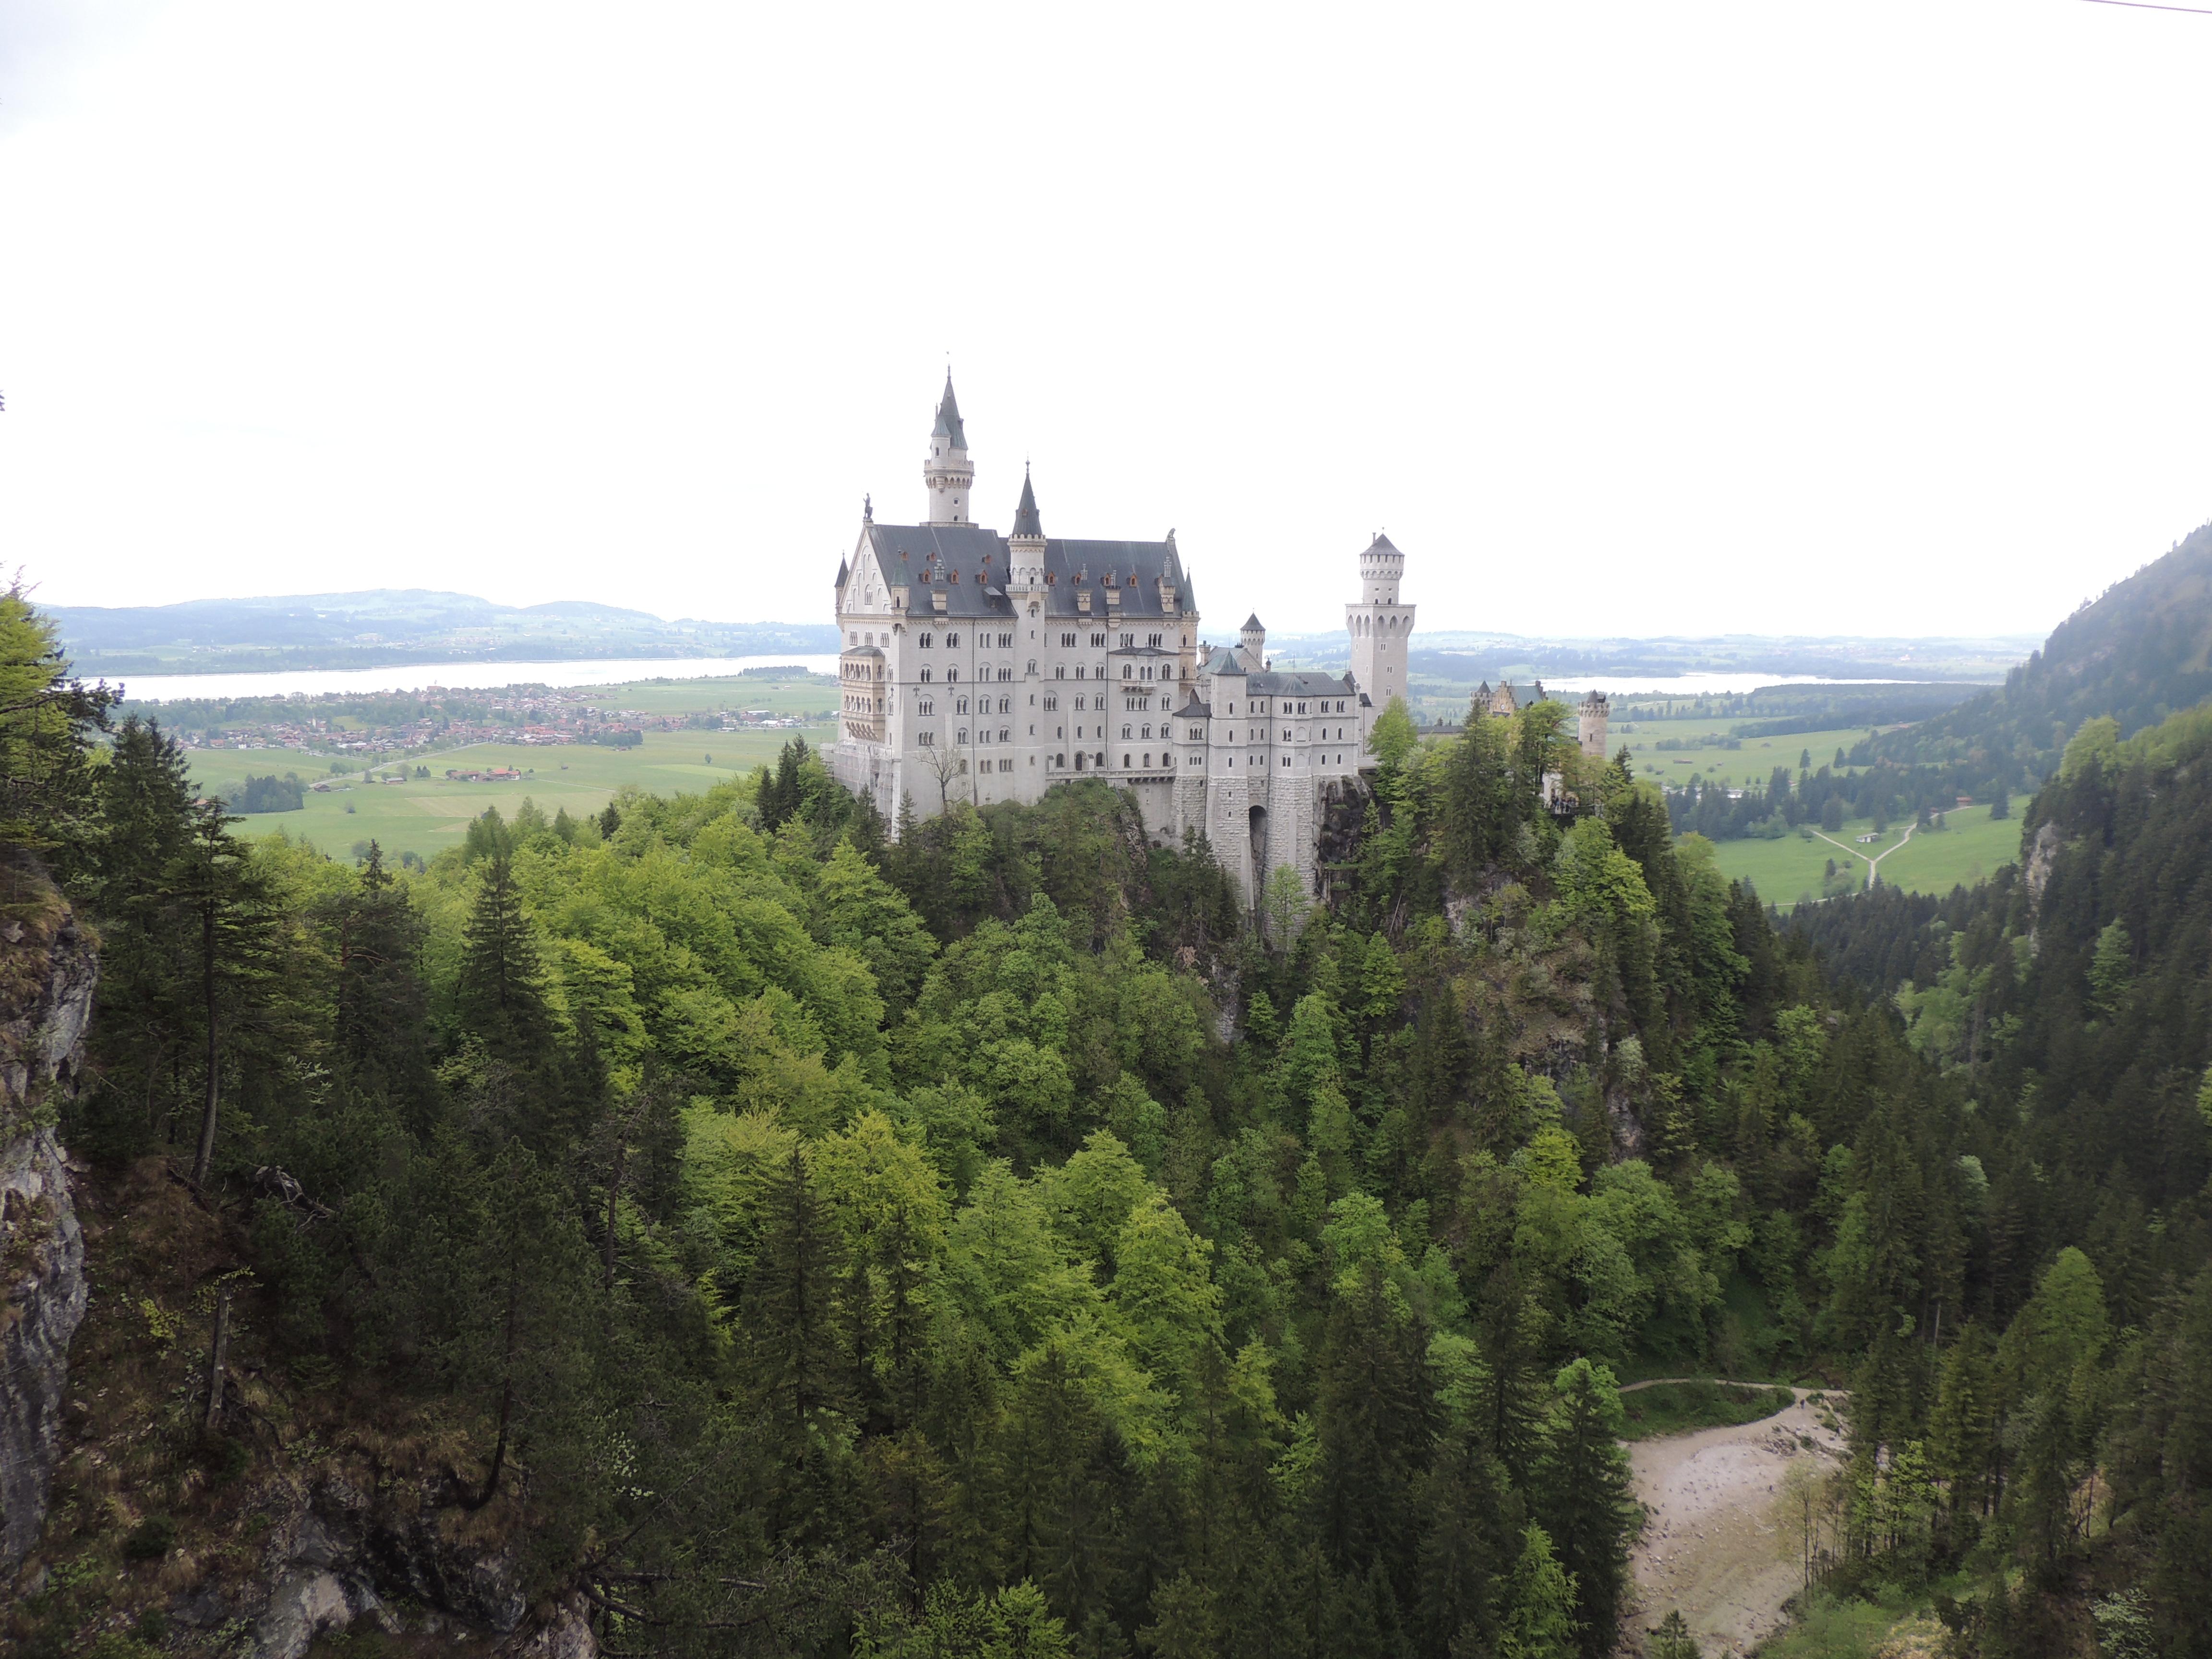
1716, 1544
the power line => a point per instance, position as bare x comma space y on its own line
2151, 5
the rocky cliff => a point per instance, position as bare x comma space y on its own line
48, 968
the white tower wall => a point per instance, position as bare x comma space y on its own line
1380, 627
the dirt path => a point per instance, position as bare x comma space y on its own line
1873, 861
1716, 1544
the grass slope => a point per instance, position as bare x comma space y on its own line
1789, 870
1677, 1407
425, 814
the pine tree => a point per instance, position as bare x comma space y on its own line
501, 992
1583, 1499
1538, 1621
381, 1006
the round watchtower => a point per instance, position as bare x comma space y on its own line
1382, 567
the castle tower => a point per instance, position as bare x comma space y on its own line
948, 472
1589, 724
1380, 626
1252, 644
1025, 547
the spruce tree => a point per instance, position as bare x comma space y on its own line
501, 992
1583, 1499
381, 1006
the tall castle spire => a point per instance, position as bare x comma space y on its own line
1026, 522
947, 471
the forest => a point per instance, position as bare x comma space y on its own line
792, 1233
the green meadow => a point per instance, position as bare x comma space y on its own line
1969, 848
423, 816
1753, 762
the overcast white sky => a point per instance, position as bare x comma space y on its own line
1890, 317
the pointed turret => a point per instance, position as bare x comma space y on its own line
1026, 522
948, 417
947, 471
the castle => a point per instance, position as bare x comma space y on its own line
981, 667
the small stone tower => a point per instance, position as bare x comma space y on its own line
1252, 644
1380, 626
948, 472
1589, 724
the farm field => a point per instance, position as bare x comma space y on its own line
423, 816
1752, 763
1785, 872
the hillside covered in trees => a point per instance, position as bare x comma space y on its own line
2140, 652
765, 1234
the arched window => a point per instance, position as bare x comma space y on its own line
952, 673
963, 735
1126, 672
924, 676
1148, 729
1125, 763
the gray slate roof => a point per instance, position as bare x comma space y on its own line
1299, 684
948, 416
979, 558
1026, 522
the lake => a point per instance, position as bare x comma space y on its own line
457, 676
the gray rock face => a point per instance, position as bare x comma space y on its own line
344, 1554
42, 1284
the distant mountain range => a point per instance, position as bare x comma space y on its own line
1459, 655
388, 626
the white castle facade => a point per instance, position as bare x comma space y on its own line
981, 667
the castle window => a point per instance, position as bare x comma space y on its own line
1097, 639
1006, 673
1232, 708
1005, 766
1078, 671
1032, 665
961, 707
925, 640
1067, 639
1006, 705
926, 739
1286, 760
1125, 763
1004, 736
1128, 641
1147, 672
1148, 762
1151, 639
1302, 708
852, 639
926, 707
1148, 731
1125, 729
951, 638
962, 738
952, 671
1124, 672
1051, 702
924, 676
1060, 673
